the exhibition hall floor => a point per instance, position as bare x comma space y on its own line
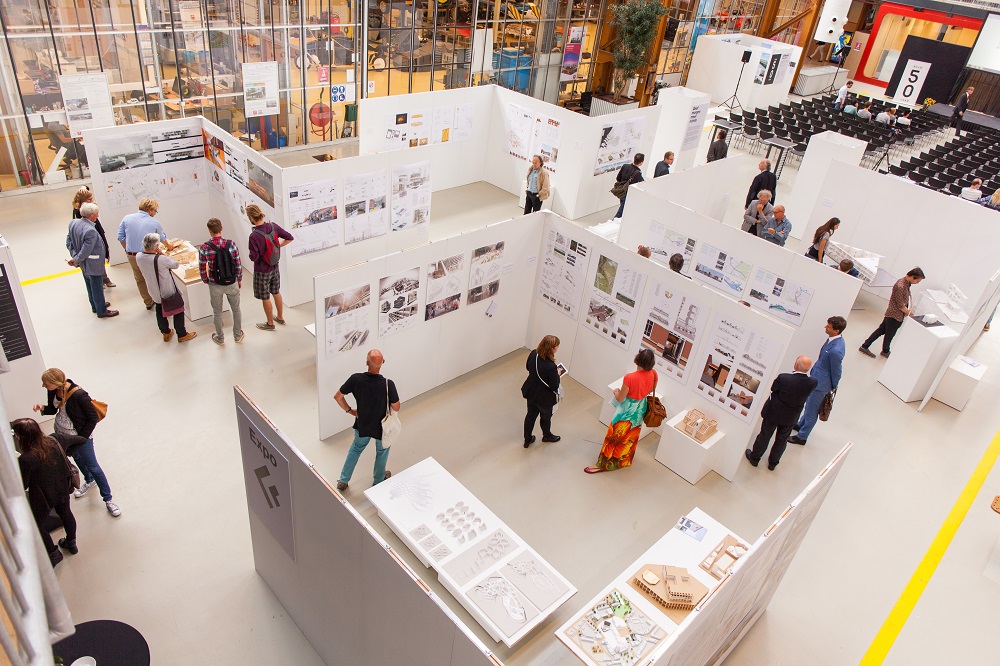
178, 566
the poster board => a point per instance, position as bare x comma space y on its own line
260, 89
22, 354
87, 100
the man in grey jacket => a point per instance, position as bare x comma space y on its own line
87, 252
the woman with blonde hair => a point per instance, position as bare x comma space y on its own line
75, 415
991, 201
541, 389
82, 196
626, 425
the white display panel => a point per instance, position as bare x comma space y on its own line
504, 584
986, 51
87, 99
563, 270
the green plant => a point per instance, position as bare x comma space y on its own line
635, 22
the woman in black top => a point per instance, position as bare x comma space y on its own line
47, 478
540, 388
82, 196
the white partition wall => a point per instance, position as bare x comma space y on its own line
21, 364
716, 65
682, 121
707, 189
350, 594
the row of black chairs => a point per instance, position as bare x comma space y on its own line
950, 167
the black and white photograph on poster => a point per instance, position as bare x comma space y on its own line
131, 151
738, 360
672, 327
614, 299
444, 286
779, 297
260, 182
665, 243
398, 302
484, 272
313, 211
482, 292
619, 143
347, 317
564, 273
411, 195
365, 211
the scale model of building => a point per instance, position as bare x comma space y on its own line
697, 426
670, 587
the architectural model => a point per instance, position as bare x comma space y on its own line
669, 587
613, 632
697, 426
724, 556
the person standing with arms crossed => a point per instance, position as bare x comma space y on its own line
374, 394
897, 310
538, 186
266, 241
826, 371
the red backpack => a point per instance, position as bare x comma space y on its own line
272, 250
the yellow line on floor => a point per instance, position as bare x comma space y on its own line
900, 613
25, 283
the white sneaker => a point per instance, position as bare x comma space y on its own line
113, 509
82, 490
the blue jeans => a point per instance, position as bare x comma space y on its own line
86, 460
621, 208
95, 292
357, 448
811, 412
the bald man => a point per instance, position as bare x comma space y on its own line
374, 394
789, 393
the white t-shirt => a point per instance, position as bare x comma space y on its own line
842, 95
971, 194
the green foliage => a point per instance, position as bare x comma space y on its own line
635, 22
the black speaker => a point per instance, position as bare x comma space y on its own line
746, 56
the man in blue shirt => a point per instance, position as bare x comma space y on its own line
87, 252
776, 228
131, 231
827, 371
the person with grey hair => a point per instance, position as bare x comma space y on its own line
89, 253
765, 180
777, 227
789, 392
757, 212
538, 186
155, 267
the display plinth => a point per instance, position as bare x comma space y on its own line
813, 80
504, 584
918, 352
197, 302
687, 458
608, 412
958, 383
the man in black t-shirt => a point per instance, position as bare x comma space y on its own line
374, 394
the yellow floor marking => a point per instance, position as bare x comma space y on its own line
25, 283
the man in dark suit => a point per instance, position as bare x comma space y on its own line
961, 106
719, 148
789, 393
827, 370
765, 180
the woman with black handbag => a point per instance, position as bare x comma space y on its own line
541, 389
47, 477
155, 267
626, 425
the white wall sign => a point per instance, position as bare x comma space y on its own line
87, 99
260, 88
696, 123
265, 472
912, 82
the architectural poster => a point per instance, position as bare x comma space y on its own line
87, 99
780, 298
665, 243
619, 143
672, 327
614, 299
442, 124
484, 272
465, 115
314, 213
564, 272
444, 286
396, 132
419, 133
519, 122
721, 270
365, 206
739, 359
571, 54
411, 195
260, 89
260, 182
398, 302
346, 315
546, 136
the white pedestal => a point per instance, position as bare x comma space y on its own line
608, 412
678, 129
823, 149
817, 79
197, 304
689, 459
918, 353
958, 383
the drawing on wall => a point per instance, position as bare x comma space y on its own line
346, 315
261, 183
619, 143
365, 213
416, 491
780, 298
721, 270
613, 631
313, 212
564, 272
398, 302
396, 132
664, 243
474, 561
535, 580
465, 115
671, 330
125, 152
419, 133
546, 135
519, 121
444, 286
614, 299
411, 195
484, 272
738, 360
500, 601
441, 124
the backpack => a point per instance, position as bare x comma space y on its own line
272, 250
223, 266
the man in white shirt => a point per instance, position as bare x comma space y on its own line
973, 193
842, 95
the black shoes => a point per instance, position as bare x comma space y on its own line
55, 557
529, 441
795, 439
749, 457
69, 545
551, 438
771, 467
884, 354
866, 352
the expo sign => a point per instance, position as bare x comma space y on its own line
912, 83
267, 478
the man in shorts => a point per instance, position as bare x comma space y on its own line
266, 241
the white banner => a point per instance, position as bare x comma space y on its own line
87, 99
911, 83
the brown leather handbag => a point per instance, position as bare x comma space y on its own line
655, 411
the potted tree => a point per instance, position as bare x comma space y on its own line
636, 23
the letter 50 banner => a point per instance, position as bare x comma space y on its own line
265, 471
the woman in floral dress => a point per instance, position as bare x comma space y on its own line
623, 433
